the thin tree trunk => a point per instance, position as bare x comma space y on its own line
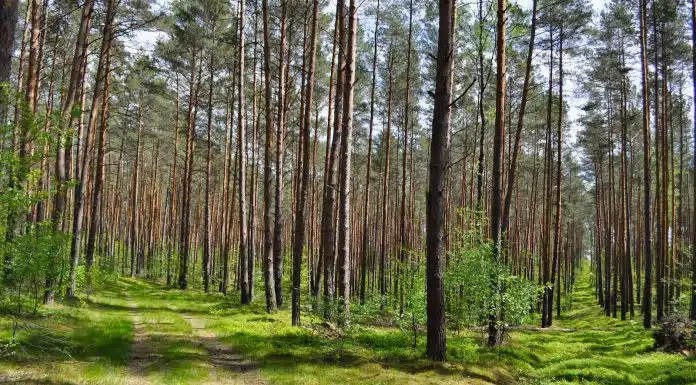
693, 215
647, 177
520, 123
366, 203
331, 185
241, 142
101, 140
301, 205
385, 187
344, 254
280, 149
498, 145
78, 212
134, 194
267, 176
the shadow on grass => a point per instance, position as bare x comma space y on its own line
73, 337
26, 381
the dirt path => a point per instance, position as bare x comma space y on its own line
228, 367
143, 353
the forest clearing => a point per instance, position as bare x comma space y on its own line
348, 191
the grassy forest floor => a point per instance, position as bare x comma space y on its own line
139, 332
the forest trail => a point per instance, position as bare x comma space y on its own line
222, 358
142, 353
138, 332
153, 340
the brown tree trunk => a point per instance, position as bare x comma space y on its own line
693, 181
101, 139
134, 195
185, 232
8, 24
242, 145
331, 184
267, 176
366, 203
399, 290
498, 145
558, 226
546, 233
207, 246
280, 149
647, 177
78, 209
344, 254
385, 187
63, 147
304, 183
520, 123
435, 285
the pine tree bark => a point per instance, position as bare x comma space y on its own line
366, 203
101, 139
185, 232
304, 183
271, 305
8, 24
280, 149
331, 184
498, 146
385, 186
435, 287
63, 148
344, 222
647, 170
558, 226
693, 214
207, 245
79, 197
134, 205
242, 143
512, 173
399, 290
546, 234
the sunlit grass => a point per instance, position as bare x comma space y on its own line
91, 343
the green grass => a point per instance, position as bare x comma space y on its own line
91, 343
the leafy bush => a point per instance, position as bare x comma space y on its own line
30, 259
479, 286
414, 315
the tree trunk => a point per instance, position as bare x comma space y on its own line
385, 187
693, 215
647, 177
498, 146
435, 286
242, 145
134, 196
78, 212
399, 290
63, 148
520, 123
366, 203
8, 24
304, 183
267, 176
345, 166
280, 149
331, 185
185, 232
101, 140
